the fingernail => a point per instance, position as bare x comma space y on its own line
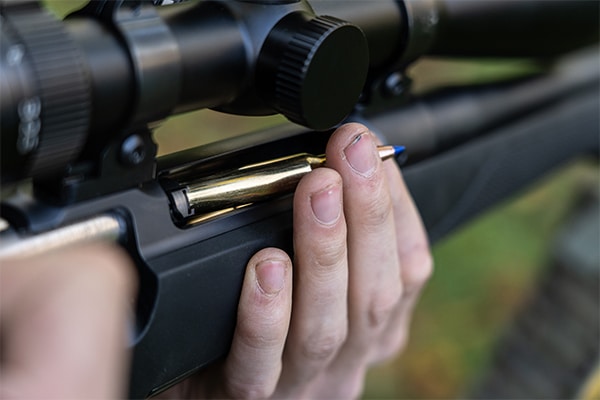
361, 155
327, 205
270, 275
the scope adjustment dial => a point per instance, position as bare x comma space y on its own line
313, 69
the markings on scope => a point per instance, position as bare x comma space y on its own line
29, 124
14, 55
29, 110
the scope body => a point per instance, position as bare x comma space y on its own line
131, 65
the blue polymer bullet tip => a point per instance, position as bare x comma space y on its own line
398, 150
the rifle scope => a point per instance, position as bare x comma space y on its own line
68, 87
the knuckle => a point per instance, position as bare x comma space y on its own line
382, 306
258, 336
376, 210
329, 254
417, 268
322, 347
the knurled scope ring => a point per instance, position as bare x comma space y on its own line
63, 90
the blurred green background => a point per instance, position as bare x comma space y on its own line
483, 273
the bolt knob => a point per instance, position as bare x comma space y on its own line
313, 69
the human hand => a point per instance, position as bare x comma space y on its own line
63, 320
361, 259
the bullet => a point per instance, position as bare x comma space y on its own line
250, 184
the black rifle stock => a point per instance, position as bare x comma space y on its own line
468, 148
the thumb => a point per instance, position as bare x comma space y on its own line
63, 324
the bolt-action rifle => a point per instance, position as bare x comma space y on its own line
79, 99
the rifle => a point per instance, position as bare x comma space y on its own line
81, 97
